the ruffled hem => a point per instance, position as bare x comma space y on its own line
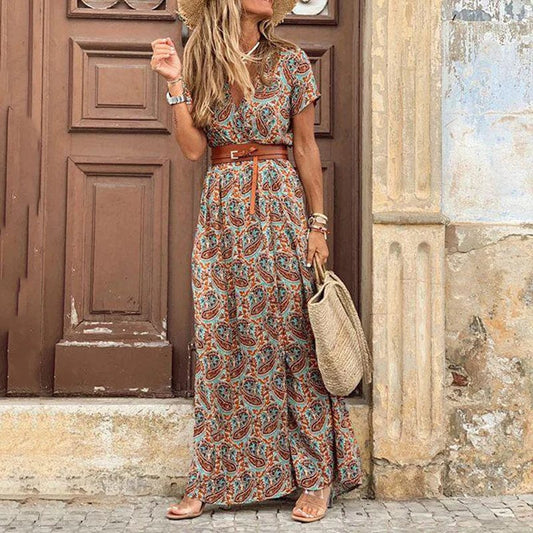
201, 492
339, 487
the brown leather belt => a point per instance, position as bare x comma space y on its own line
246, 152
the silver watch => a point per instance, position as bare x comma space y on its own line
175, 99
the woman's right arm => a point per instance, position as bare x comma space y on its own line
165, 61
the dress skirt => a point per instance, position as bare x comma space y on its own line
264, 423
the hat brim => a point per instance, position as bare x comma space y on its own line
191, 11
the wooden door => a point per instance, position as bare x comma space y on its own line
123, 202
98, 205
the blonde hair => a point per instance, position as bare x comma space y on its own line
212, 55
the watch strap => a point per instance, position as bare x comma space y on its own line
172, 100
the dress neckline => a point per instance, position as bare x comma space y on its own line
242, 99
255, 81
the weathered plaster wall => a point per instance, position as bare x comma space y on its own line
489, 325
488, 197
487, 109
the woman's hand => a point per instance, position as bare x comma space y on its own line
316, 243
192, 140
165, 60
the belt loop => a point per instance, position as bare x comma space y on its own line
254, 186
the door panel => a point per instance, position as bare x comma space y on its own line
24, 368
116, 278
113, 90
111, 171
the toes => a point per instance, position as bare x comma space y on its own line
178, 510
300, 511
312, 511
306, 511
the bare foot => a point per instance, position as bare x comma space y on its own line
186, 506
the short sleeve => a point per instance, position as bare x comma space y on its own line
304, 88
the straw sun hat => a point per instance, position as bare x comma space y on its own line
191, 11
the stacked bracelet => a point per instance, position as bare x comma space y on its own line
317, 217
318, 222
322, 230
173, 82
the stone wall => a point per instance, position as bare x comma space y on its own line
487, 195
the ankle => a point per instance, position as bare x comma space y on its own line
189, 499
319, 492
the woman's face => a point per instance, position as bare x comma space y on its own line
261, 8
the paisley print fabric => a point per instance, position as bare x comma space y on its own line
264, 424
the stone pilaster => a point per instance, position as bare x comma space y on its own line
404, 251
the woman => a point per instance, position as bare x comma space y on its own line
264, 423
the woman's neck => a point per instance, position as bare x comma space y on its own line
249, 36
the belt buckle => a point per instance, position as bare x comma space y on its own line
231, 154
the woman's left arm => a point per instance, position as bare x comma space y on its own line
307, 159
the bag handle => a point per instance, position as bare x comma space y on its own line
320, 271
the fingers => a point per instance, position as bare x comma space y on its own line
310, 253
165, 41
155, 63
158, 57
322, 255
162, 49
164, 55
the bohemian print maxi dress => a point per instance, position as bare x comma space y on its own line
264, 423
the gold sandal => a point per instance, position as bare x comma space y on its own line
174, 516
306, 497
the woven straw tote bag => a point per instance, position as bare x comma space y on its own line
341, 347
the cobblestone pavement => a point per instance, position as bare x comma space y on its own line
147, 514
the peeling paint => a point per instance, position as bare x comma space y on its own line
465, 239
487, 111
518, 10
487, 10
110, 344
489, 344
527, 294
73, 313
97, 330
471, 15
479, 431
